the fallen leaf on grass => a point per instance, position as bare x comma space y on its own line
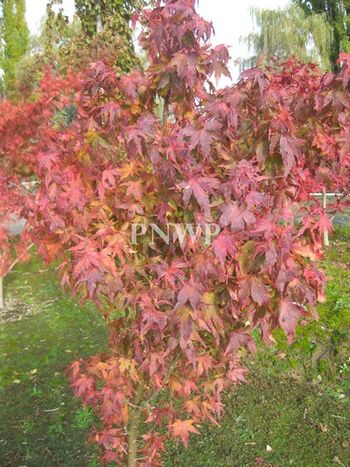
323, 427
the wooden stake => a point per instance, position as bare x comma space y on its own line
324, 205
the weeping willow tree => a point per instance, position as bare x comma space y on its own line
337, 13
286, 32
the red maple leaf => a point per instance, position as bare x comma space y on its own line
183, 429
203, 137
238, 218
223, 246
189, 293
289, 315
238, 340
200, 187
259, 291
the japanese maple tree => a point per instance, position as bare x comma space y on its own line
20, 127
245, 158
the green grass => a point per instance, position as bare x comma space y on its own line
40, 422
302, 424
296, 402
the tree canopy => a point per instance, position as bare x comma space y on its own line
110, 21
102, 28
14, 38
287, 32
337, 13
63, 44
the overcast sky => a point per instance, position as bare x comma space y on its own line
231, 18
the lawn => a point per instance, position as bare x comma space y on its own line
295, 411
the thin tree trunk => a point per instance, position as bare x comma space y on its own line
165, 115
99, 25
135, 418
324, 205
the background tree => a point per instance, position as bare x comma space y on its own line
14, 38
64, 44
58, 34
107, 23
337, 13
287, 32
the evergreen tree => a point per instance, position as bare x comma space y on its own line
14, 38
289, 32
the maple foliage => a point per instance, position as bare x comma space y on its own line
246, 157
10, 205
20, 127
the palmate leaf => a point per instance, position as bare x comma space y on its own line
224, 246
290, 313
200, 188
183, 429
203, 138
236, 217
190, 293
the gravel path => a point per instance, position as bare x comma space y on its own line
15, 226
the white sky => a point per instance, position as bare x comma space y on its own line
231, 18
